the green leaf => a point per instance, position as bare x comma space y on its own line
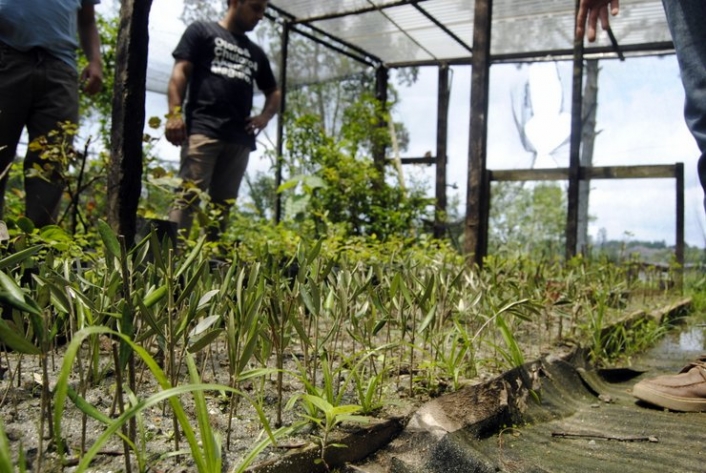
20, 256
204, 325
155, 296
110, 241
13, 338
25, 224
193, 282
59, 299
211, 444
5, 453
313, 182
204, 340
206, 298
192, 257
291, 183
14, 296
54, 234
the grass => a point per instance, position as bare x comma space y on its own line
345, 334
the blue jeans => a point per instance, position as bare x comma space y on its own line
686, 23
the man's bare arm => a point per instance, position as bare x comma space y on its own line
175, 130
92, 75
590, 11
273, 100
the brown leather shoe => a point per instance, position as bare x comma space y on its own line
684, 392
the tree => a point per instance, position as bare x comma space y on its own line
527, 219
334, 178
128, 119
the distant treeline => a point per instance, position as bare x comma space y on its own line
648, 251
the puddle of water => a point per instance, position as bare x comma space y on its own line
677, 348
693, 339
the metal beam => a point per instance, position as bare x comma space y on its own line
443, 27
358, 11
365, 59
323, 33
427, 160
607, 52
673, 171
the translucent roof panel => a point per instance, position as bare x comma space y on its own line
409, 31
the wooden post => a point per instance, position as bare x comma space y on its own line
679, 244
442, 126
588, 140
575, 148
382, 77
280, 120
128, 119
476, 232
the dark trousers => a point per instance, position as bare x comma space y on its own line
37, 91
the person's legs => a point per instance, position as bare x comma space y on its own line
225, 184
685, 18
55, 106
198, 161
16, 70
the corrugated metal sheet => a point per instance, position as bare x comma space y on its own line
581, 420
398, 32
407, 32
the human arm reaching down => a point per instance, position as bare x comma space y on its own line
175, 129
590, 11
92, 75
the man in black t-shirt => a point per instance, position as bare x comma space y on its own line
220, 66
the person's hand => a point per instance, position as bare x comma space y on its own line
92, 78
256, 124
175, 129
590, 11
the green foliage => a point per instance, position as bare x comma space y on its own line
527, 219
98, 108
206, 457
355, 321
5, 454
349, 189
330, 417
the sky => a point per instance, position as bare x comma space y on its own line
639, 119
